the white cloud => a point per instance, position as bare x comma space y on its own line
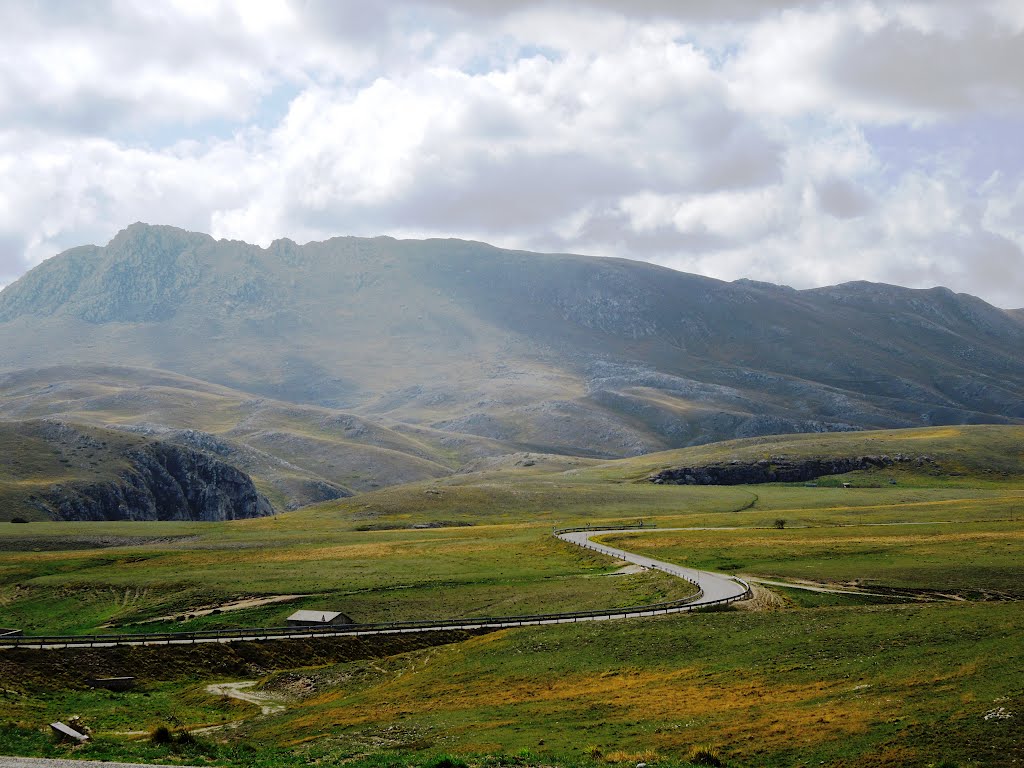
874, 63
734, 139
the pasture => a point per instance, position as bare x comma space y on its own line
926, 670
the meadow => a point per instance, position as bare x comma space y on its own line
925, 670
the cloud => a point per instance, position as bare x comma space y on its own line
801, 142
914, 63
519, 149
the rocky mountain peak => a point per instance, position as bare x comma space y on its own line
546, 352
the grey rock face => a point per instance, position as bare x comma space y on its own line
778, 469
164, 482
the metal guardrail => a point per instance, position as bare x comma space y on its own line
597, 528
665, 567
381, 628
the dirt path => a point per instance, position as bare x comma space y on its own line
267, 704
814, 587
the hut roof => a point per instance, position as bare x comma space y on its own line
319, 617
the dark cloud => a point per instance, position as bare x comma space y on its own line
352, 20
907, 69
842, 199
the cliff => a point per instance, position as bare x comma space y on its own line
67, 472
780, 469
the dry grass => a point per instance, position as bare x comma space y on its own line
763, 600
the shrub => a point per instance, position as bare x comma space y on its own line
705, 756
18, 520
780, 523
176, 740
445, 761
185, 738
639, 758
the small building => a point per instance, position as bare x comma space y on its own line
318, 619
112, 683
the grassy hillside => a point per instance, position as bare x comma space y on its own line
909, 674
961, 454
490, 549
297, 454
54, 470
36, 458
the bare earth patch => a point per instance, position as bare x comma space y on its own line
234, 605
268, 704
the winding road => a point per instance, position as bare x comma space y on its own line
714, 589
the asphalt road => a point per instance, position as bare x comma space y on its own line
716, 586
47, 762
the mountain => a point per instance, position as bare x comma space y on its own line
463, 350
58, 471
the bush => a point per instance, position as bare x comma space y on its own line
638, 758
705, 756
185, 738
780, 523
18, 520
164, 736
445, 761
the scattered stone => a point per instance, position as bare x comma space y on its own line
66, 732
999, 713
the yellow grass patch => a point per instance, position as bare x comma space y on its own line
376, 550
932, 433
733, 709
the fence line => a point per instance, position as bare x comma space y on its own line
683, 605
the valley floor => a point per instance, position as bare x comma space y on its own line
910, 654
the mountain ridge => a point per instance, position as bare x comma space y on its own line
555, 353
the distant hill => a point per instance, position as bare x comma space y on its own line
986, 454
53, 470
296, 454
466, 350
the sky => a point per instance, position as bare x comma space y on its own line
803, 143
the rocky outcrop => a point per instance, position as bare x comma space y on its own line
163, 482
780, 469
295, 487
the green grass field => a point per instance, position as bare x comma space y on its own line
811, 679
373, 576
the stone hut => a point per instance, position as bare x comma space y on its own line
318, 619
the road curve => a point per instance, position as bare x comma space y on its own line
716, 587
